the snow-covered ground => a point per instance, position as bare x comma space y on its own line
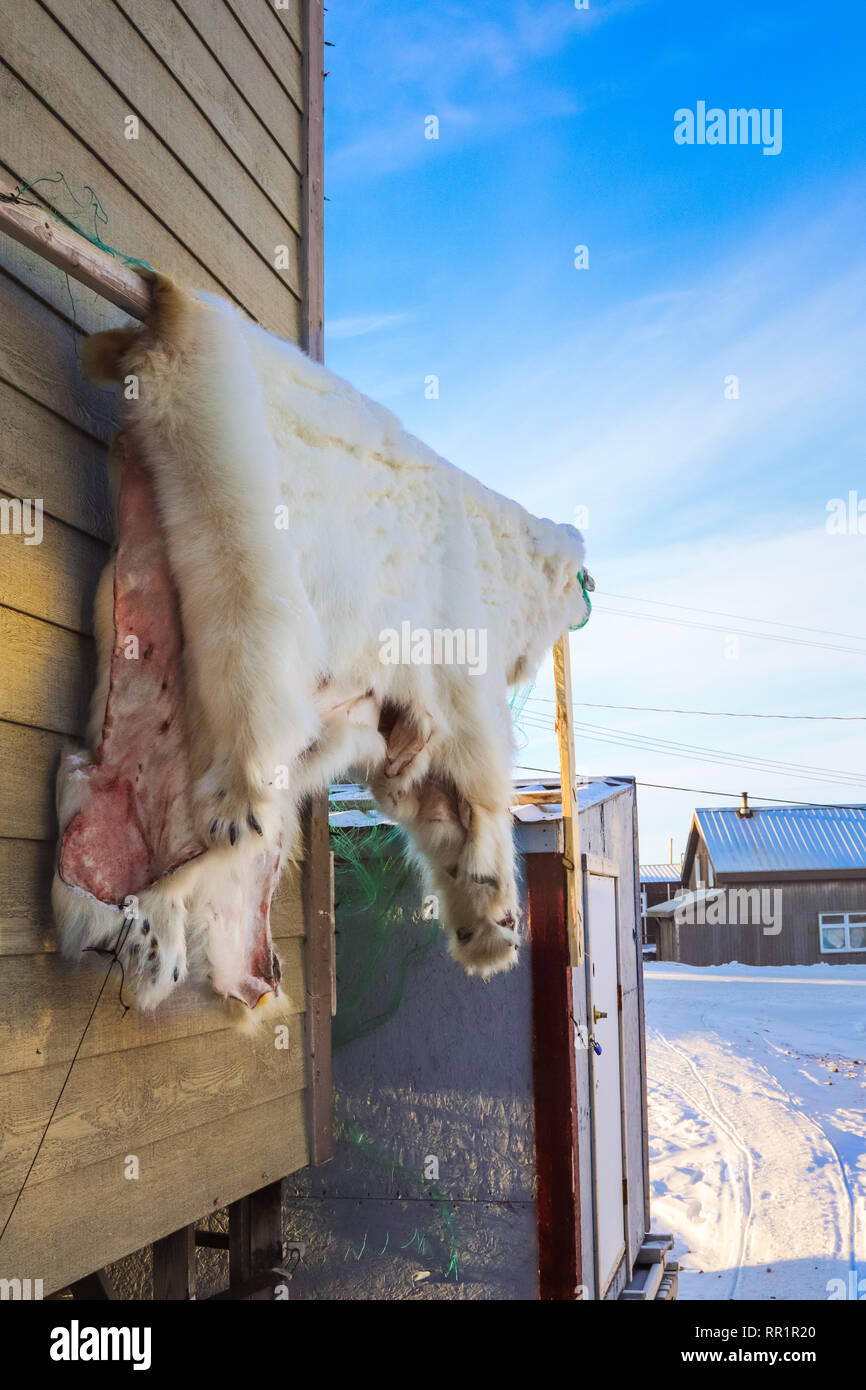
757, 1121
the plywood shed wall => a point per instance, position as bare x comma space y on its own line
219, 185
432, 1191
797, 903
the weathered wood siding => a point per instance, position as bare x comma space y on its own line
797, 943
209, 191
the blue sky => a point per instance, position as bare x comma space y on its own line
604, 388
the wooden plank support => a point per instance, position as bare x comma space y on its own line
174, 1266
570, 826
255, 1240
654, 1248
34, 227
644, 1284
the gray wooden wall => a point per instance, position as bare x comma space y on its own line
796, 944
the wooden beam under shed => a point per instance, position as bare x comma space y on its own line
174, 1266
255, 1242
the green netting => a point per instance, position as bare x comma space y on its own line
385, 939
381, 937
517, 702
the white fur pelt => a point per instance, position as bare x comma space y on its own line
303, 525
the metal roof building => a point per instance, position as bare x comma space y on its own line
777, 841
771, 885
660, 873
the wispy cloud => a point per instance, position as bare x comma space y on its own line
360, 325
628, 413
451, 61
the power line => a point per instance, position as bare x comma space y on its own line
738, 617
713, 713
719, 756
697, 791
701, 753
724, 753
731, 632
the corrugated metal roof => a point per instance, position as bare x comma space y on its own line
784, 839
660, 873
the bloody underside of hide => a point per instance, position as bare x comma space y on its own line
135, 828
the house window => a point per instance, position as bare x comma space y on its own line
842, 931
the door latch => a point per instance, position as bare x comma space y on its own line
597, 1014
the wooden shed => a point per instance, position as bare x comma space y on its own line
186, 134
770, 885
491, 1137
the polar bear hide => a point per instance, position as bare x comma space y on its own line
311, 593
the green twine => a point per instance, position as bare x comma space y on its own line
351, 1133
587, 601
416, 1239
351, 1250
94, 205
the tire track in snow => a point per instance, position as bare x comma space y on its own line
746, 1201
665, 1087
798, 1106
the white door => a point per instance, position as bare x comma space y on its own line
606, 1075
